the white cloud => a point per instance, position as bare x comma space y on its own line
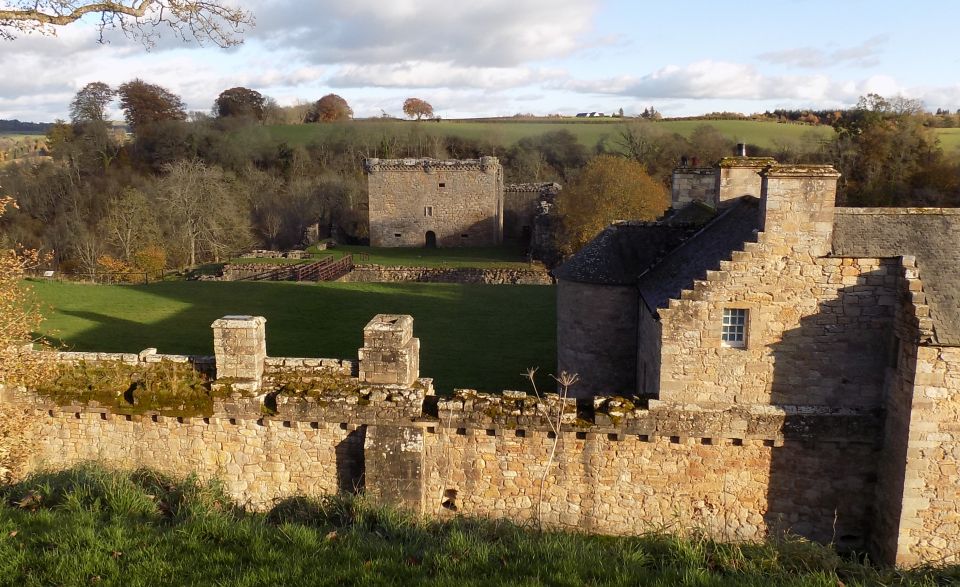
484, 33
427, 74
866, 54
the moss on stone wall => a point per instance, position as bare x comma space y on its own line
171, 388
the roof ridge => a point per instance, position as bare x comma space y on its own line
740, 202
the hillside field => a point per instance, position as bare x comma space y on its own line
505, 132
476, 336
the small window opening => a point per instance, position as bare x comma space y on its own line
442, 184
428, 211
396, 234
464, 236
734, 330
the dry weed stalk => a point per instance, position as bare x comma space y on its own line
566, 381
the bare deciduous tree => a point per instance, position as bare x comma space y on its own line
202, 20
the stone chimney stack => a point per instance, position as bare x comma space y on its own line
740, 176
797, 206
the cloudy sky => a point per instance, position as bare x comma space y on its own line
500, 57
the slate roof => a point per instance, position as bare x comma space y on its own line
626, 250
931, 235
736, 224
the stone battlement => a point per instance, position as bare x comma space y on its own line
428, 165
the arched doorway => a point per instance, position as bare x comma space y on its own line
431, 240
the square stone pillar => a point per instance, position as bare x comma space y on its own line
390, 355
240, 346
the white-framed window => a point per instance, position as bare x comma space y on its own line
733, 333
428, 210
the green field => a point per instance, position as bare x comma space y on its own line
89, 526
949, 139
502, 257
474, 336
507, 132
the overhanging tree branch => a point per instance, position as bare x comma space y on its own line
203, 20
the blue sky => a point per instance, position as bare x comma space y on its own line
500, 57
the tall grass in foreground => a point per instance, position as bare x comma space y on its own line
89, 526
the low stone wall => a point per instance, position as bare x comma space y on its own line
384, 274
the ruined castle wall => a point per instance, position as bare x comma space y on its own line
461, 202
597, 336
393, 274
519, 210
736, 476
259, 460
694, 184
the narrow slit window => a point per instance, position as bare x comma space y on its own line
442, 184
396, 234
428, 211
734, 330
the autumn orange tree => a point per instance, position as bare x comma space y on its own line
417, 108
609, 188
19, 320
19, 314
329, 108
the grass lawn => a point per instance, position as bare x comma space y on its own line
88, 526
476, 336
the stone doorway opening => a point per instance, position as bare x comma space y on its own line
431, 240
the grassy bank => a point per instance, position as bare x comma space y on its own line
471, 335
91, 526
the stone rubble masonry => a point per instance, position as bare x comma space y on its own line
390, 354
240, 346
536, 275
460, 201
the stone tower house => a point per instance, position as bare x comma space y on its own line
429, 202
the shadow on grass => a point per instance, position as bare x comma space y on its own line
472, 336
